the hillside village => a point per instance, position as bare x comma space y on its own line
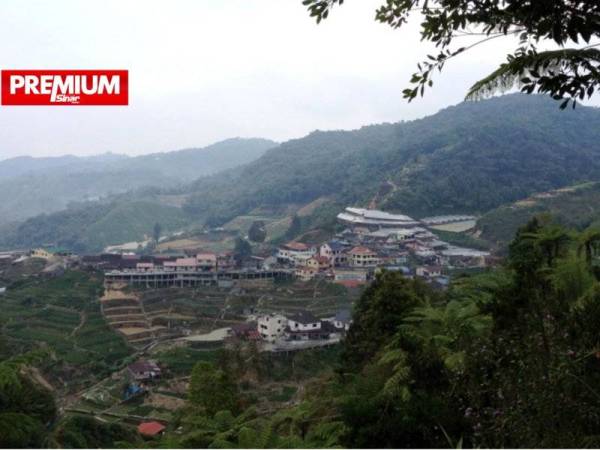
278, 299
168, 306
369, 242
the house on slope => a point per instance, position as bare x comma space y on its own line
144, 370
303, 326
271, 326
295, 253
342, 320
335, 251
363, 257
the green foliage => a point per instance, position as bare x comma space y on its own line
211, 389
63, 314
491, 363
25, 407
257, 231
386, 302
295, 228
80, 431
573, 207
91, 227
462, 240
19, 430
181, 360
242, 248
444, 330
471, 158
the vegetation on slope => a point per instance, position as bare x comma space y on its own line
489, 363
472, 157
94, 226
468, 158
31, 186
53, 342
62, 314
574, 207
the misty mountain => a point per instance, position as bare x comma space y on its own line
469, 158
28, 165
31, 186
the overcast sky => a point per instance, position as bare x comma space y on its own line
207, 70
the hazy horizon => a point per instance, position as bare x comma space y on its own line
194, 81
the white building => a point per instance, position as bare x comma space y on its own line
271, 326
375, 218
356, 275
295, 253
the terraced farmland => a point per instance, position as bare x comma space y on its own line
63, 314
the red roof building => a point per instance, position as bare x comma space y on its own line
352, 284
361, 251
151, 428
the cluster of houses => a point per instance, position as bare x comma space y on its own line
56, 262
375, 240
372, 240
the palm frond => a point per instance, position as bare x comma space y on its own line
564, 72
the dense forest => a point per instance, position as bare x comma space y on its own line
508, 358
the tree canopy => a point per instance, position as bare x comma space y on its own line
568, 73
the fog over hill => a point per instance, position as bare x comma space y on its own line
31, 186
469, 158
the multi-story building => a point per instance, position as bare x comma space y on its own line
363, 257
295, 253
335, 251
207, 261
271, 326
318, 263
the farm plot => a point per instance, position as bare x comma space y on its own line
63, 314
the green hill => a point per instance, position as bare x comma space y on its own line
95, 226
471, 157
575, 207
